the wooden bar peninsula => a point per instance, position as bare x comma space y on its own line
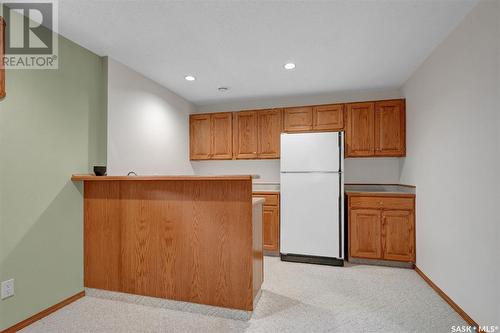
187, 238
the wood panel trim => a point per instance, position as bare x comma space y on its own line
447, 298
43, 313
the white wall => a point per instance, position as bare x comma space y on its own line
365, 170
453, 148
359, 170
268, 170
148, 125
372, 170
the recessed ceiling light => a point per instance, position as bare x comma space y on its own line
289, 65
189, 78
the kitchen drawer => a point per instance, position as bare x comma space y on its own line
271, 199
404, 203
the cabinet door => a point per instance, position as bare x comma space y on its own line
269, 130
328, 117
360, 134
298, 119
390, 128
199, 137
271, 224
222, 136
245, 134
398, 235
365, 233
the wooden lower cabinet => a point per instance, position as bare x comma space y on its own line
270, 224
398, 235
365, 233
271, 221
382, 227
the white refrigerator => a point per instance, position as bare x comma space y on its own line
311, 198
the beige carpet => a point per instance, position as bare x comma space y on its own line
295, 298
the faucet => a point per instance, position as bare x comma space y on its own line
131, 173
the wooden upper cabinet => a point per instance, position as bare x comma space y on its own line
372, 129
222, 136
390, 128
245, 135
365, 233
269, 133
398, 235
328, 117
210, 136
200, 138
299, 119
2, 52
360, 130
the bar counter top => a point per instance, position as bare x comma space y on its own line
89, 177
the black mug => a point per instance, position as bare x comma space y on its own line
100, 170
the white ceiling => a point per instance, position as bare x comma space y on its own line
337, 45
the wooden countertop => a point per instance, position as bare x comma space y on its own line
89, 177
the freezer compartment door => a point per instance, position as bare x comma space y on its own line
310, 214
310, 152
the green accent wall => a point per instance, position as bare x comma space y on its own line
52, 125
